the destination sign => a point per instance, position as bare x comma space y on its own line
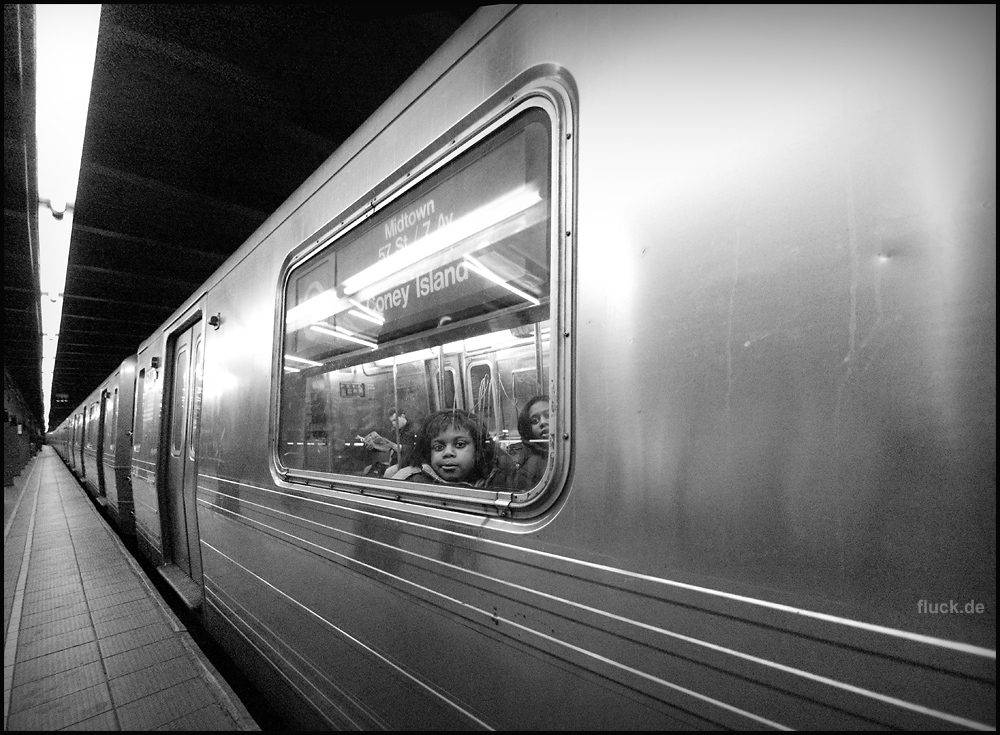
467, 238
484, 180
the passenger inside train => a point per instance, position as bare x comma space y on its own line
388, 455
531, 455
453, 448
440, 302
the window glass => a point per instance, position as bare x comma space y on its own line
180, 391
110, 418
93, 418
432, 304
196, 399
137, 422
445, 388
481, 396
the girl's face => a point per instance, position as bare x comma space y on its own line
453, 455
539, 416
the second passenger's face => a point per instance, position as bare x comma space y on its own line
453, 455
539, 416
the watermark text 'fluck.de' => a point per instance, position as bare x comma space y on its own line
950, 607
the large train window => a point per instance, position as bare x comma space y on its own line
137, 419
179, 407
403, 330
196, 399
93, 423
110, 419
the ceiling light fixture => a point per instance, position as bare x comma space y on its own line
65, 49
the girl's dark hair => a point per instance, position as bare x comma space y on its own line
481, 441
524, 424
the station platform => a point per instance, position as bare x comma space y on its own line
89, 643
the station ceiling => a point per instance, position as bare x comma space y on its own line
203, 120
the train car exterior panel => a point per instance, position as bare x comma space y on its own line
145, 448
770, 352
96, 445
117, 456
612, 619
723, 298
728, 556
294, 680
363, 669
76, 445
387, 592
238, 356
91, 465
721, 369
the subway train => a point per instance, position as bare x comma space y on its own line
746, 254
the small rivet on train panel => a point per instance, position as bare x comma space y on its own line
565, 436
565, 334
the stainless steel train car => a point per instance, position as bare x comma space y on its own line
747, 254
95, 441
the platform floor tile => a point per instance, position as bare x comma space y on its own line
88, 642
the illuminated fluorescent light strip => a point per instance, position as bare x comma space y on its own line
291, 369
488, 274
508, 205
318, 307
341, 335
374, 315
66, 46
362, 315
328, 304
303, 360
65, 49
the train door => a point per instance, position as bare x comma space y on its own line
92, 435
110, 429
74, 445
81, 441
101, 438
181, 484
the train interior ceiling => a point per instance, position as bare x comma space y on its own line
203, 119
